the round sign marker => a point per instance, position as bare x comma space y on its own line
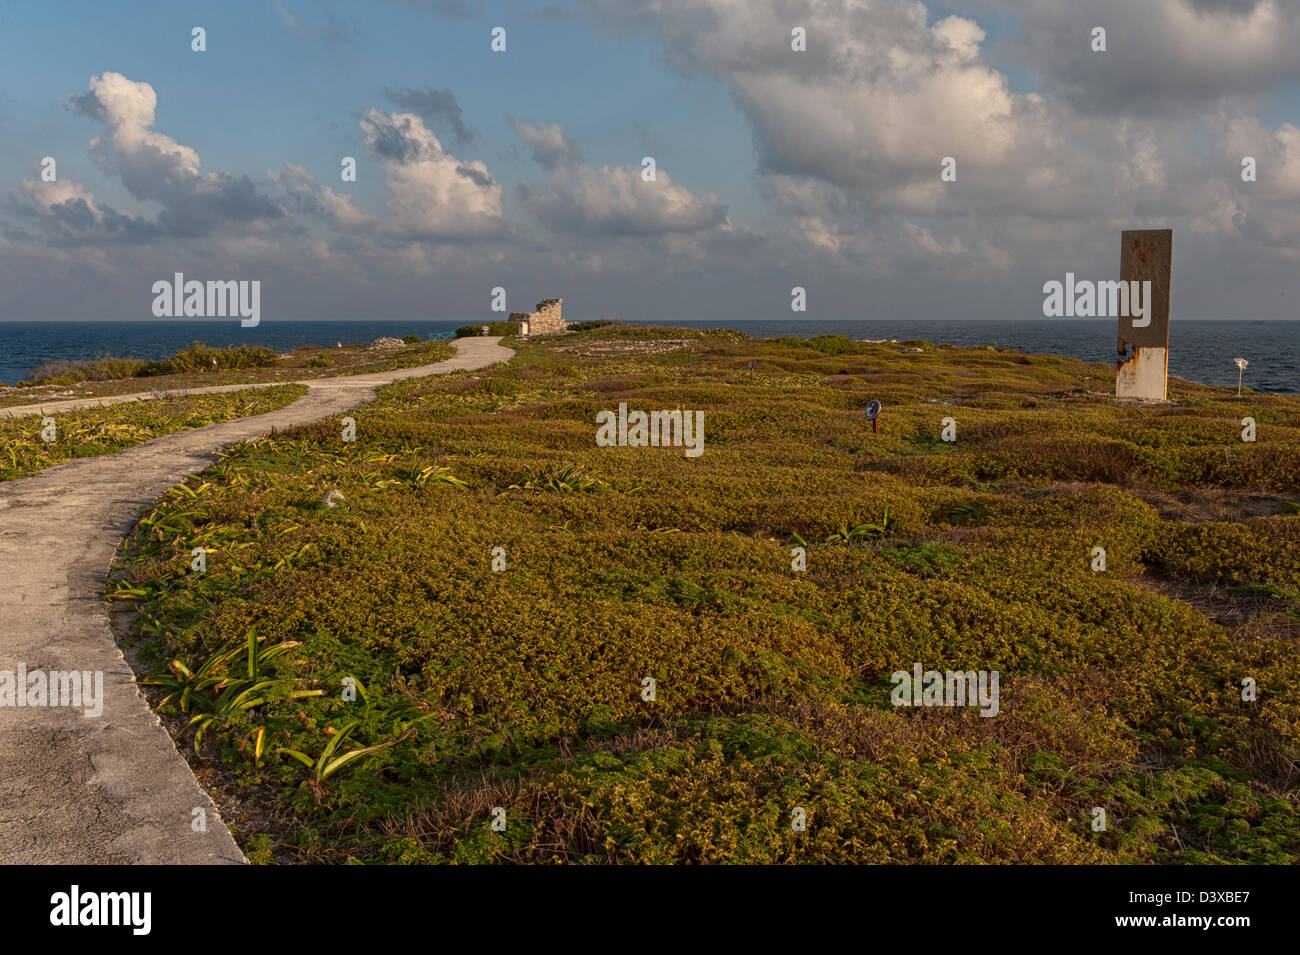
873, 409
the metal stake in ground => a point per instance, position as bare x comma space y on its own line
872, 414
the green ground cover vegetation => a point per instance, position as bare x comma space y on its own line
522, 689
85, 432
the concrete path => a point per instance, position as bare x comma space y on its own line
55, 405
112, 788
69, 404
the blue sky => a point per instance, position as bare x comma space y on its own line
818, 170
262, 93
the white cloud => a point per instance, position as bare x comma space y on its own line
551, 149
154, 166
310, 198
435, 195
875, 103
615, 200
847, 142
849, 134
67, 211
1161, 55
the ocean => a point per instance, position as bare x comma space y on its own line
1199, 350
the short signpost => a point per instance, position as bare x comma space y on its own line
872, 414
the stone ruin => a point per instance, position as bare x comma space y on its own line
547, 320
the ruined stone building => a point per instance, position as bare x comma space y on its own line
547, 320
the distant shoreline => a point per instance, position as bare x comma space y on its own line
1201, 349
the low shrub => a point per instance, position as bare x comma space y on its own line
106, 368
826, 344
200, 357
494, 328
831, 344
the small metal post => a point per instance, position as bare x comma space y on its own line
872, 414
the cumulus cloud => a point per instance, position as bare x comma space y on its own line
1161, 55
153, 166
551, 149
611, 200
847, 142
614, 200
1276, 153
876, 101
309, 198
438, 107
1266, 210
435, 195
849, 134
68, 211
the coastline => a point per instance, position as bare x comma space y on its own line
1201, 350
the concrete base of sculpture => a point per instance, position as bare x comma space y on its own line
1144, 376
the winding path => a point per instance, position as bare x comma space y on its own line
113, 788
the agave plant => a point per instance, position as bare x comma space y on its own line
439, 474
327, 763
259, 744
240, 696
567, 478
189, 688
186, 684
847, 535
